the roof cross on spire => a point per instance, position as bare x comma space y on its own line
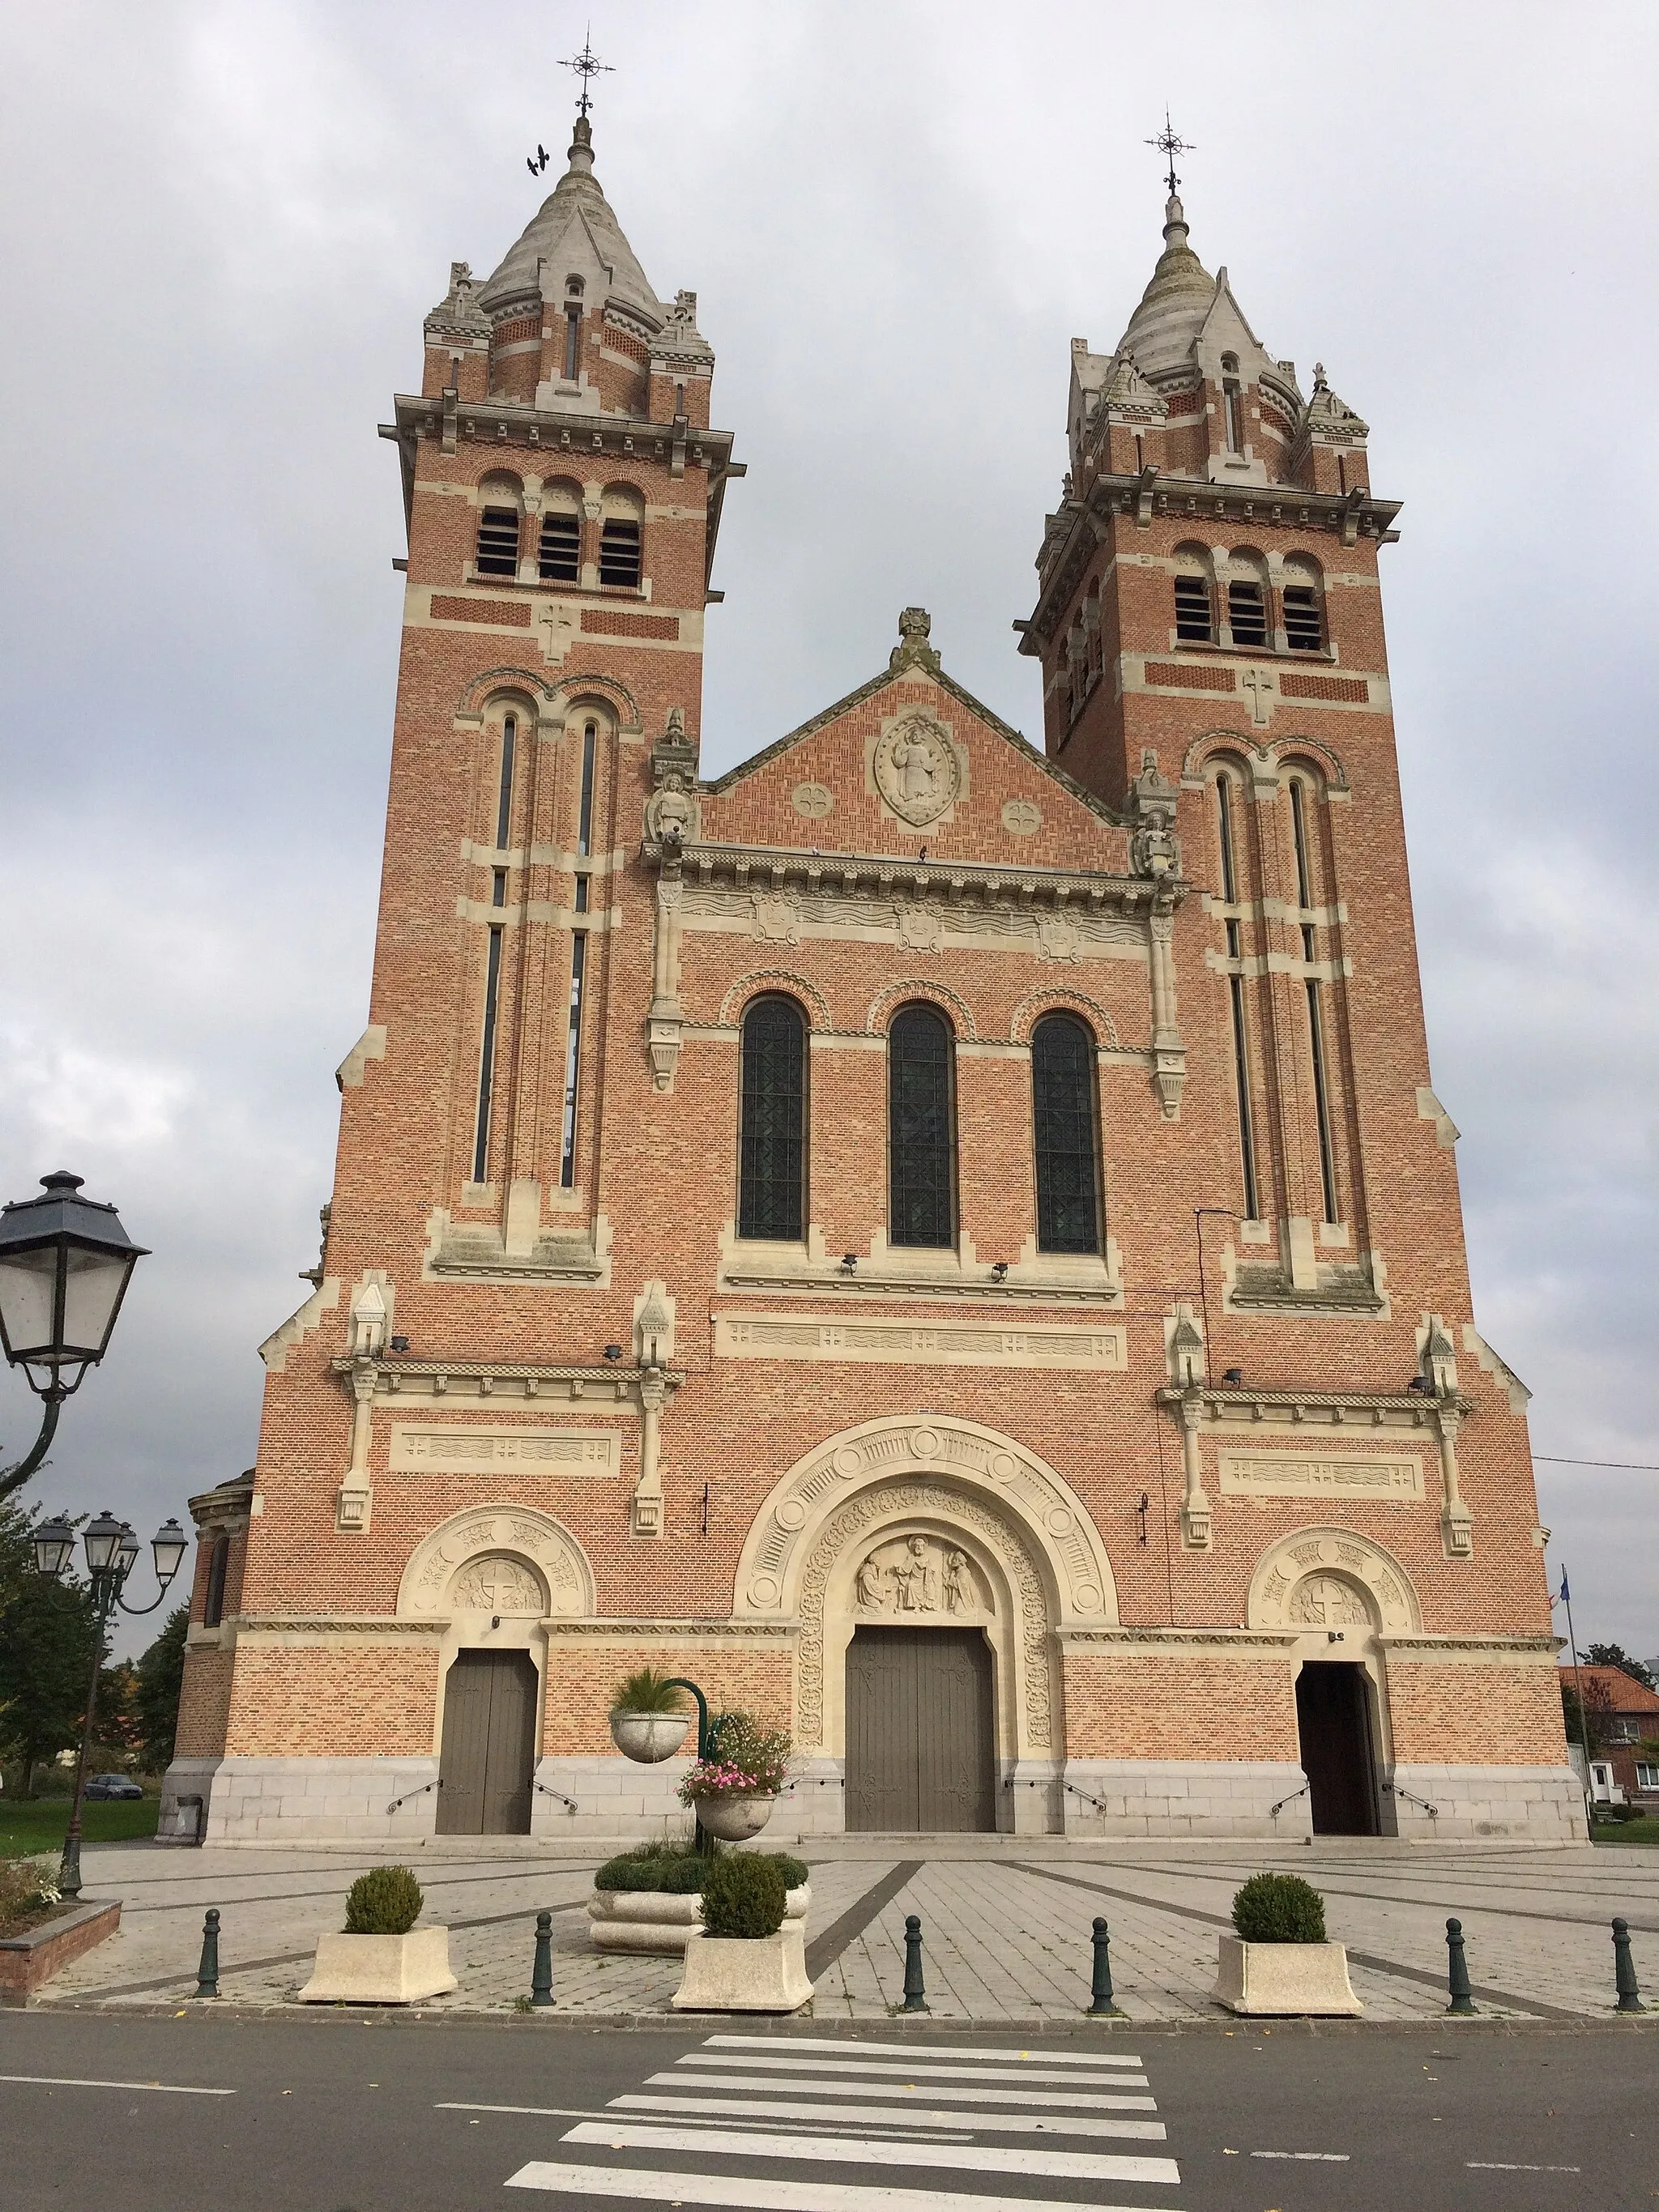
1169, 145
587, 65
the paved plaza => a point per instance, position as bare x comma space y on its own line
1007, 1925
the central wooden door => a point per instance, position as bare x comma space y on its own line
1333, 1721
489, 1752
920, 1741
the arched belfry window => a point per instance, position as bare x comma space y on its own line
1064, 1124
920, 1128
213, 1609
772, 1127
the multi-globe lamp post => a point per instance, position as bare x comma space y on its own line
65, 1262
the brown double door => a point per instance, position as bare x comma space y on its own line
1333, 1721
488, 1753
920, 1747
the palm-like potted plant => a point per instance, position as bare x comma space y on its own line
1280, 1961
381, 1957
747, 1956
734, 1790
649, 1716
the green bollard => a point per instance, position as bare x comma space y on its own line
207, 1971
915, 1996
1103, 2007
1458, 1972
541, 1975
1624, 1970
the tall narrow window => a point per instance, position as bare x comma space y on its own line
920, 1129
1063, 1120
619, 551
487, 1056
584, 804
1232, 402
504, 795
1299, 842
573, 342
1224, 800
1191, 604
1304, 631
573, 1061
560, 552
772, 1127
1322, 1100
498, 542
213, 1610
1225, 833
1247, 612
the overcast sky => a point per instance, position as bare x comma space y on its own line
223, 225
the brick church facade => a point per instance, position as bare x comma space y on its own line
952, 1247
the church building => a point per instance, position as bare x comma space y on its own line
950, 1245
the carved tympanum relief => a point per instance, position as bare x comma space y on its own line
918, 1574
464, 1565
916, 769
1334, 1577
498, 1584
1327, 1601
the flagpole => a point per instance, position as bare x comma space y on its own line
1578, 1691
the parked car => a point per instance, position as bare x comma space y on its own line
113, 1785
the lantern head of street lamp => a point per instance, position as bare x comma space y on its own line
126, 1550
65, 1262
168, 1547
102, 1538
53, 1545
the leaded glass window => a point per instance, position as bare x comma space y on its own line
1063, 1113
772, 1135
920, 1129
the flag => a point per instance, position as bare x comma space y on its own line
1565, 1592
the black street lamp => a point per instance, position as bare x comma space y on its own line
112, 1551
65, 1262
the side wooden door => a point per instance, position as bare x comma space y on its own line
489, 1752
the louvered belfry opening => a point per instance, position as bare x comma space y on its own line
498, 542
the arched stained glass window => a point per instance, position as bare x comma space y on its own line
920, 1129
1063, 1116
772, 1131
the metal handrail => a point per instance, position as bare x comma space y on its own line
1099, 1803
1399, 1789
570, 1801
1274, 1811
436, 1784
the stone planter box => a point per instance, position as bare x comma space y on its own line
658, 1921
1285, 1978
380, 1969
648, 1737
29, 1960
723, 1973
735, 1819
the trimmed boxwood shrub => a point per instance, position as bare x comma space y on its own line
385, 1901
1279, 1908
794, 1871
744, 1895
675, 1868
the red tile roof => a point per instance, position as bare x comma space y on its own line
1624, 1694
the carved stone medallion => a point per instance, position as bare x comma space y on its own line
916, 769
1021, 817
497, 1584
814, 801
777, 919
1327, 1601
920, 929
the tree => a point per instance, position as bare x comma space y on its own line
1597, 1706
1614, 1655
155, 1704
46, 1631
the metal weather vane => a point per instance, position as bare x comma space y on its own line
1169, 145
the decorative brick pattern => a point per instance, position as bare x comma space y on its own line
504, 614
1185, 677
614, 622
1345, 690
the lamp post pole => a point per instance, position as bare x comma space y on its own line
707, 1742
111, 1549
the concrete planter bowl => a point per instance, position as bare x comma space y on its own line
736, 1818
659, 1922
648, 1738
727, 1973
1309, 1980
380, 1969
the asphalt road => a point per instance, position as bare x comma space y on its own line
345, 2113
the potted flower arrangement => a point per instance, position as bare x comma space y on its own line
732, 1791
649, 1717
381, 1957
747, 1956
650, 1899
1280, 1961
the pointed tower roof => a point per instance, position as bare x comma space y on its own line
1164, 326
576, 201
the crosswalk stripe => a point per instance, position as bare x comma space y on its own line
762, 2196
930, 2050
906, 2067
859, 2150
949, 2093
886, 2116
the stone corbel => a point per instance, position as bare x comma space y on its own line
1196, 1527
1169, 1054
665, 1022
645, 1518
355, 1500
1456, 1522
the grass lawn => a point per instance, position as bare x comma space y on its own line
39, 1823
1603, 1832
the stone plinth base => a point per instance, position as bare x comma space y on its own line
725, 1974
1309, 1980
380, 1969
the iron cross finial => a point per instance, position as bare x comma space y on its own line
1169, 145
587, 65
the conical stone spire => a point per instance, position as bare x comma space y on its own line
1173, 306
575, 201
